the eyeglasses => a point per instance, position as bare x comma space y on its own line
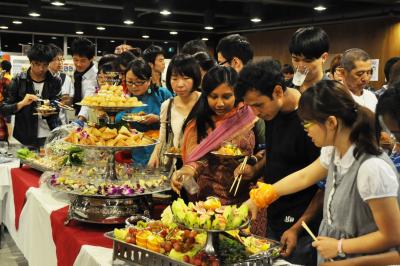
136, 83
307, 124
225, 62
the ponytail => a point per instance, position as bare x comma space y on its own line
363, 132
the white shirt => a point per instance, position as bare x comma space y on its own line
366, 99
66, 89
375, 178
89, 84
43, 128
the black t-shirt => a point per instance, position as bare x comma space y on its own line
288, 149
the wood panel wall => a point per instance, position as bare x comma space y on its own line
380, 38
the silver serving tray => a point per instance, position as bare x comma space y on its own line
113, 148
244, 225
163, 188
111, 108
36, 166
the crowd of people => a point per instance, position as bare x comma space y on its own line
324, 146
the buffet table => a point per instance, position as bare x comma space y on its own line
41, 234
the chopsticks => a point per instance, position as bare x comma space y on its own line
305, 226
238, 178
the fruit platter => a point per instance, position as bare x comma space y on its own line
166, 242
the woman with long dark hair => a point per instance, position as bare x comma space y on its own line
216, 118
361, 206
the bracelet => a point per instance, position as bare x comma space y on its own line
340, 249
194, 169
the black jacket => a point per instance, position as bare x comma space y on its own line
26, 124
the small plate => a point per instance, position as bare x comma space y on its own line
133, 118
173, 154
226, 156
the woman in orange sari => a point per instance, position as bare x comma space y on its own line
215, 119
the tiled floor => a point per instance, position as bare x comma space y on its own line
10, 255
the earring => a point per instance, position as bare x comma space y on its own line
148, 90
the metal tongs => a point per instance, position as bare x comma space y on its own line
64, 106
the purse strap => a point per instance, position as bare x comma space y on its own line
169, 126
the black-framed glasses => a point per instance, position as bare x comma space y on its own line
225, 62
136, 83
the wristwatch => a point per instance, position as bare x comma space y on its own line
340, 254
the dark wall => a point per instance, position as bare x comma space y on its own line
380, 38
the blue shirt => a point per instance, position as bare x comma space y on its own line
153, 103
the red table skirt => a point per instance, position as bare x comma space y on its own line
68, 239
22, 180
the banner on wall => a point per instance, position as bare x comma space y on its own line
21, 63
375, 69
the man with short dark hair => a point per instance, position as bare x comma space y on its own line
309, 49
26, 88
234, 50
85, 82
194, 46
288, 149
154, 56
357, 72
67, 89
288, 72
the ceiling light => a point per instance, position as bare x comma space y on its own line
209, 20
255, 20
320, 8
34, 14
29, 43
112, 41
173, 32
166, 42
17, 22
3, 27
58, 3
128, 12
98, 51
128, 21
34, 8
204, 39
40, 41
100, 28
165, 12
145, 36
5, 45
54, 38
79, 32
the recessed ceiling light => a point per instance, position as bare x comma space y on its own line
98, 51
208, 27
100, 28
3, 27
128, 21
112, 41
34, 14
320, 8
29, 43
40, 41
204, 39
79, 32
145, 36
54, 38
6, 45
173, 32
17, 22
255, 20
20, 44
58, 3
166, 42
165, 12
